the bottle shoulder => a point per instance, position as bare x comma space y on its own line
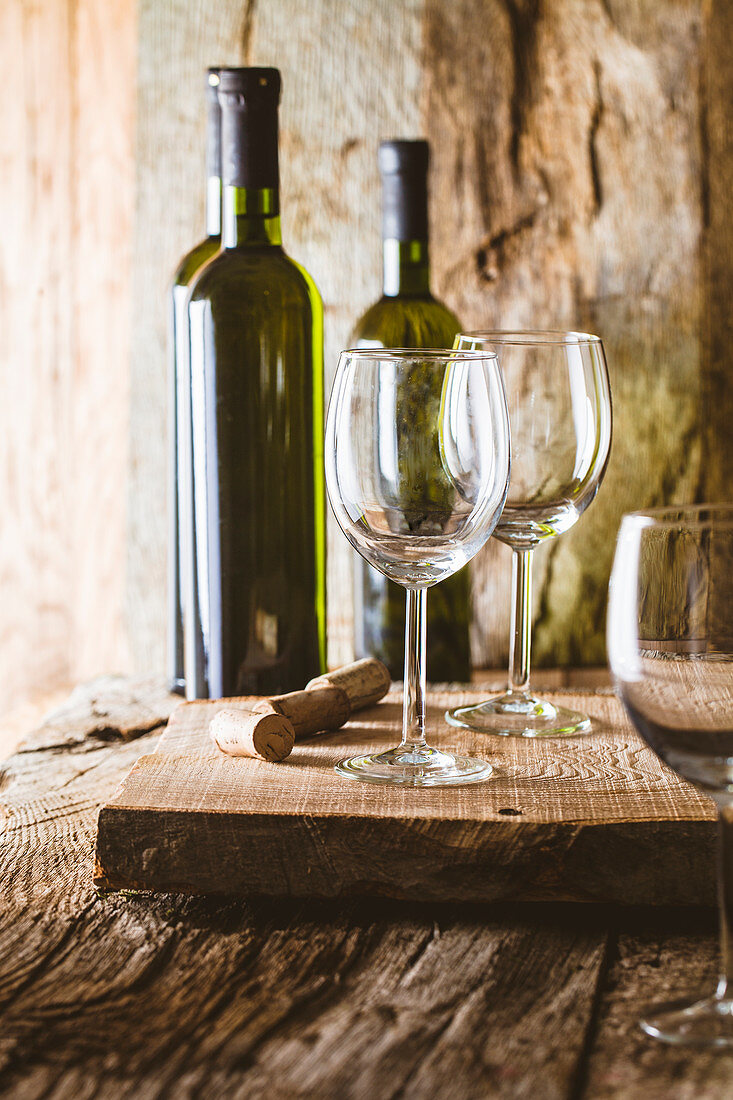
254, 270
407, 322
309, 282
195, 259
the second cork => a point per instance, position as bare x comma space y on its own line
271, 727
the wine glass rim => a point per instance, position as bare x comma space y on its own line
683, 515
531, 337
399, 354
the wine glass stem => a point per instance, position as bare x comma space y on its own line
413, 704
725, 899
521, 632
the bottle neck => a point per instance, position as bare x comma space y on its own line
250, 217
406, 268
213, 156
249, 165
213, 206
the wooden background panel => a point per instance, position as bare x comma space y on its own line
66, 185
104, 64
581, 176
35, 319
352, 76
568, 190
556, 210
177, 41
716, 187
345, 85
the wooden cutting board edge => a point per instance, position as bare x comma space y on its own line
642, 858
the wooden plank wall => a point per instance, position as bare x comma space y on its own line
66, 192
717, 203
579, 166
571, 187
582, 177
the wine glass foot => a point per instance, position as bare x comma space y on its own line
705, 1023
405, 766
519, 714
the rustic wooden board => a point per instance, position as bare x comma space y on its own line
594, 818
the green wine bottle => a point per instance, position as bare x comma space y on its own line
181, 563
256, 344
408, 316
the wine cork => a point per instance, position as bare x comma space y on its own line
266, 736
313, 711
268, 729
364, 682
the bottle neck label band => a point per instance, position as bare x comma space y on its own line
406, 267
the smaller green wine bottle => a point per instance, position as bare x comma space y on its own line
182, 579
408, 316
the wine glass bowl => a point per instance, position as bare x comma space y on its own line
413, 490
417, 467
560, 419
560, 415
670, 647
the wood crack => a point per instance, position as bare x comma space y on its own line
436, 1036
493, 255
247, 32
45, 962
56, 747
675, 473
312, 999
131, 733
595, 123
523, 20
544, 610
418, 952
704, 146
78, 775
579, 1081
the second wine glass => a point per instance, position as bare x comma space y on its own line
417, 467
560, 415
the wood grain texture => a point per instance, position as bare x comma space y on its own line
66, 180
581, 176
336, 104
177, 40
717, 203
104, 74
152, 997
15, 723
558, 211
656, 958
592, 818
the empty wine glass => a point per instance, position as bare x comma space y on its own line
417, 467
560, 416
670, 647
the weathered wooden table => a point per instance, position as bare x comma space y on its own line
117, 995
